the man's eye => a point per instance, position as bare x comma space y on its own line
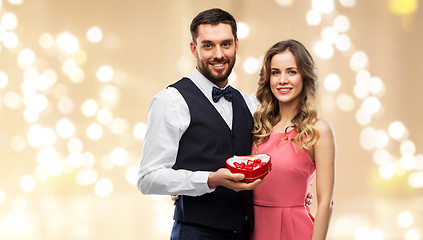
207, 46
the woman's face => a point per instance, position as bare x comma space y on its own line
286, 82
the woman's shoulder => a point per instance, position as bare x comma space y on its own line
323, 127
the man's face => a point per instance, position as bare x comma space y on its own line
215, 49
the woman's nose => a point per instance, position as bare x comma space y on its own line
283, 79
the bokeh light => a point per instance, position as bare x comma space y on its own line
358, 61
3, 197
397, 130
387, 170
313, 17
348, 3
360, 90
18, 143
10, 40
131, 175
94, 34
4, 80
415, 180
65, 128
341, 23
75, 145
119, 156
332, 82
363, 117
371, 105
382, 156
26, 58
46, 40
94, 131
285, 3
323, 6
105, 73
251, 65
9, 21
412, 234
408, 162
403, 7
103, 187
408, 147
104, 116
365, 233
15, 2
345, 102
329, 34
405, 219
90, 107
376, 86
242, 30
86, 177
109, 95
323, 49
65, 105
67, 42
343, 42
139, 130
119, 126
184, 64
74, 94
27, 183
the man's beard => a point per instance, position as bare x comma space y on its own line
203, 68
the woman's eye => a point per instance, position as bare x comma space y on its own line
275, 73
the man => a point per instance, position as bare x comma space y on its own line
192, 129
190, 136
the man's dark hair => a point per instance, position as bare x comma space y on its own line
212, 16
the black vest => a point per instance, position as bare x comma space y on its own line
205, 146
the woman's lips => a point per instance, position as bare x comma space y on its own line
284, 90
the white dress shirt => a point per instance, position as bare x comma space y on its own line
168, 119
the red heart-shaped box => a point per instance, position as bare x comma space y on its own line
250, 175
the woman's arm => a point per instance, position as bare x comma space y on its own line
324, 157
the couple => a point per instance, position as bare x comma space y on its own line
194, 126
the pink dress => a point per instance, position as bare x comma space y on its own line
279, 208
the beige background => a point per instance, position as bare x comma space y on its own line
146, 43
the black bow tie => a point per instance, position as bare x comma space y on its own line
227, 93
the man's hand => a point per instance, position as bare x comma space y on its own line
224, 177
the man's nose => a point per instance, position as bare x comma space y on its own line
218, 52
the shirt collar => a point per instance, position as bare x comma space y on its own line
202, 82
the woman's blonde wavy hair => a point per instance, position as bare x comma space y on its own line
267, 114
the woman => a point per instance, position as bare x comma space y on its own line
287, 127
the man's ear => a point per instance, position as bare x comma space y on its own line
193, 48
